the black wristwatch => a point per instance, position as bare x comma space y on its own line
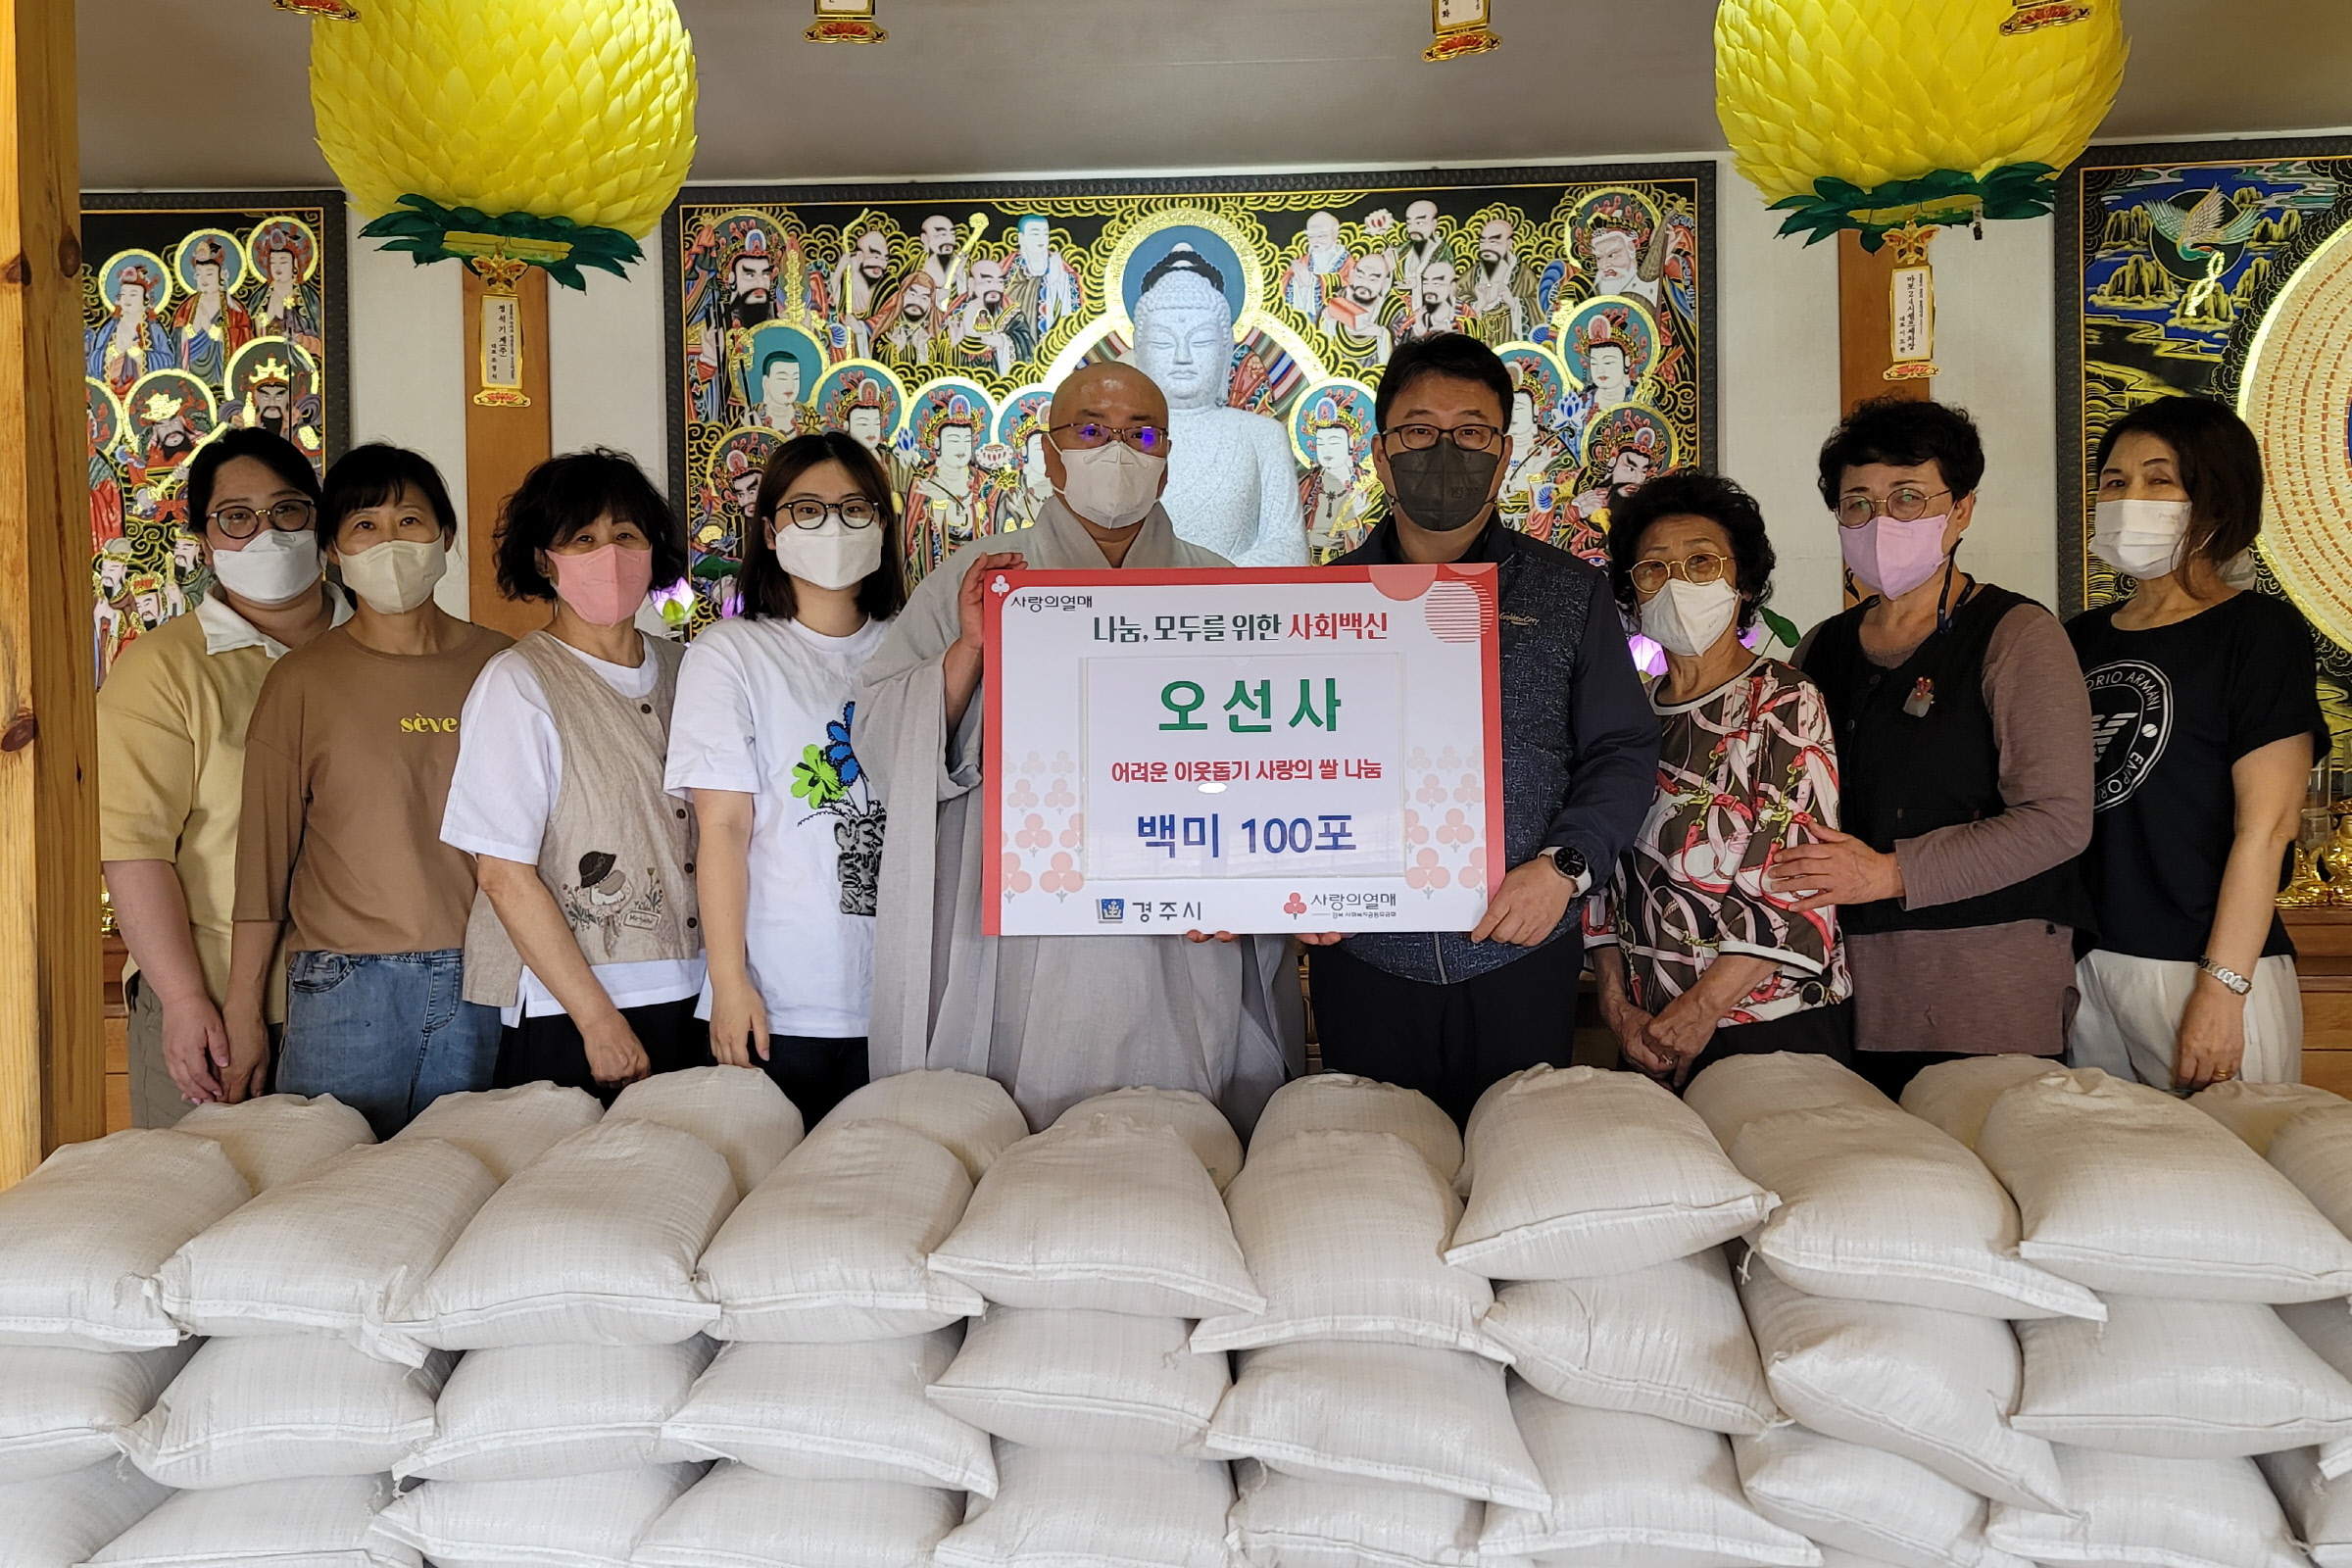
1569, 862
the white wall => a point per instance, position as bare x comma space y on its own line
1777, 315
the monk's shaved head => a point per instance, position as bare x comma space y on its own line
1112, 391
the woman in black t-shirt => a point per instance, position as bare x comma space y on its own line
2205, 715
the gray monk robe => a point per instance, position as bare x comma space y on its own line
1055, 1020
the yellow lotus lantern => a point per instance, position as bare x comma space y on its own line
548, 133
1885, 115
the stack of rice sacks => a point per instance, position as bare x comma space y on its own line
1368, 1406
831, 1327
574, 1296
283, 1429
1599, 1205
85, 1346
1095, 1244
2193, 1246
2305, 1135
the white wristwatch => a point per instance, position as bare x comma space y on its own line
2237, 983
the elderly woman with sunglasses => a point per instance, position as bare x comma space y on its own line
1696, 958
1964, 734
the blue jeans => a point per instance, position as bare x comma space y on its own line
385, 1033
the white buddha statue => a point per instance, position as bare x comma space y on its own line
1232, 486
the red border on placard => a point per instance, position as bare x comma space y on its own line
1481, 576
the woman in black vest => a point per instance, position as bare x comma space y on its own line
1964, 750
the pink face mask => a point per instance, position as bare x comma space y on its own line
1893, 556
603, 586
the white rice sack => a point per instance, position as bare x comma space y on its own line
591, 1521
1092, 1382
1880, 1507
1879, 1205
1102, 1214
834, 1412
2314, 1151
82, 1238
278, 1139
595, 1244
61, 1521
736, 1518
2326, 1328
1112, 1510
836, 1244
1668, 1340
247, 1411
1194, 1119
2127, 1189
1738, 1090
972, 1116
1342, 1101
1392, 1414
319, 1523
2180, 1379
2131, 1511
1343, 1233
1281, 1521
507, 1129
533, 1412
1633, 1489
737, 1110
2319, 1509
1955, 1094
340, 1251
2256, 1111
1935, 1387
62, 1409
1583, 1172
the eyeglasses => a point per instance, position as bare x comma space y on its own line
1086, 434
1421, 438
809, 513
242, 522
1650, 575
1905, 502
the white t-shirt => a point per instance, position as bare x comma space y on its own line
510, 771
763, 709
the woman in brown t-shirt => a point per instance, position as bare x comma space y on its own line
347, 759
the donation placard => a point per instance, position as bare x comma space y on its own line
1243, 749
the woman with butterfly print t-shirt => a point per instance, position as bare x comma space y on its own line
791, 828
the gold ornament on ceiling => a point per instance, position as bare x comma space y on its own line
845, 21
1461, 30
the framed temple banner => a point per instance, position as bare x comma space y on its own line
201, 312
931, 323
2224, 270
1265, 750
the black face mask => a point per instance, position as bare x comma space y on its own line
1442, 488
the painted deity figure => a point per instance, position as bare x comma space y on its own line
744, 300
1232, 486
942, 260
783, 403
952, 503
858, 291
1334, 497
1537, 454
910, 336
134, 339
1357, 314
1421, 245
1617, 265
1437, 301
1314, 277
210, 323
1502, 284
988, 332
287, 305
1040, 285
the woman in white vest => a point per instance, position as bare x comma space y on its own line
585, 933
790, 827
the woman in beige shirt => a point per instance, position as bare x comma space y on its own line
347, 768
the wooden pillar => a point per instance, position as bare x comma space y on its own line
1865, 334
504, 441
52, 1064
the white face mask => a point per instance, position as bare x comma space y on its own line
274, 567
1110, 486
832, 555
1686, 617
397, 575
2139, 538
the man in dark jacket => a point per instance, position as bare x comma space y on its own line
1445, 1014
